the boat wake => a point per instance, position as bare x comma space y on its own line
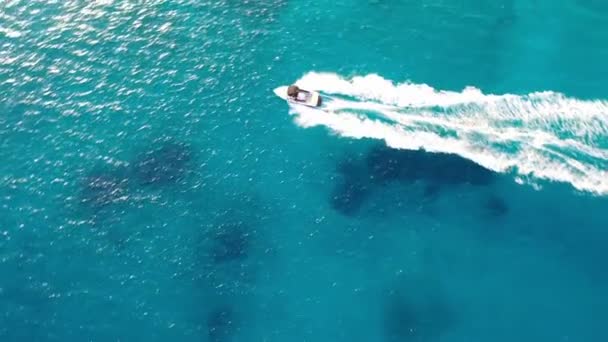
542, 135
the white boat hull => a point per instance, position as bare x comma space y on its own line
312, 100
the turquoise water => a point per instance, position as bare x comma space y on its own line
152, 186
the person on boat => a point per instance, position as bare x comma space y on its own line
297, 94
292, 91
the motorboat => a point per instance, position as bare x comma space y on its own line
304, 97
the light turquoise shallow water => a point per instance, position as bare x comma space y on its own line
152, 186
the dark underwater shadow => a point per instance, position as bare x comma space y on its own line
383, 166
386, 164
103, 187
230, 246
223, 257
416, 310
231, 242
352, 187
105, 193
221, 324
229, 249
495, 207
162, 165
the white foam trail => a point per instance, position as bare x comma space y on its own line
535, 108
543, 135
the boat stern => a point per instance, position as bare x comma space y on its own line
315, 99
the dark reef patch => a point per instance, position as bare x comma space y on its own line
164, 165
387, 164
352, 189
102, 188
107, 193
230, 242
229, 248
495, 206
348, 196
431, 191
383, 166
416, 315
220, 324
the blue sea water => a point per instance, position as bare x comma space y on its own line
453, 188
